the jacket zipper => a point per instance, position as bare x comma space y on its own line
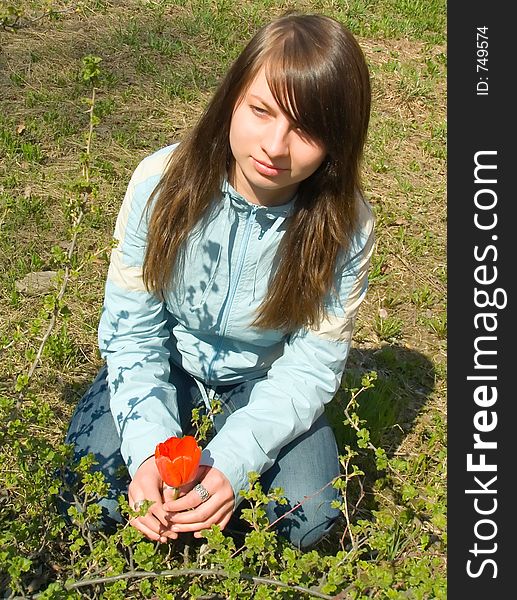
240, 263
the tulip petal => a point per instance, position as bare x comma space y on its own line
177, 460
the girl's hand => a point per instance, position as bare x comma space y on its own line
147, 485
217, 510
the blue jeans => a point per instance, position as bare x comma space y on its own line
302, 468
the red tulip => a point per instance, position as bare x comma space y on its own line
177, 460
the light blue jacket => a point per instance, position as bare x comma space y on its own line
228, 262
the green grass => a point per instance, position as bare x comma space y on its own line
160, 62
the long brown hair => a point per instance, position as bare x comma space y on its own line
318, 75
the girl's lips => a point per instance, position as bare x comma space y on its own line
265, 169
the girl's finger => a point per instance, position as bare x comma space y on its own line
187, 502
202, 512
221, 518
169, 493
154, 509
156, 518
202, 515
135, 503
157, 511
160, 527
222, 524
140, 524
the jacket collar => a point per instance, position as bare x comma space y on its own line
240, 203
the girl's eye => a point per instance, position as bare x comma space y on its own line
259, 111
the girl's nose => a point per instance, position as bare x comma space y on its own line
275, 142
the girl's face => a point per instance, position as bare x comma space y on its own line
271, 156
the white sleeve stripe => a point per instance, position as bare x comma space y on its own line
123, 217
125, 277
150, 167
339, 328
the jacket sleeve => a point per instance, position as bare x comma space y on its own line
299, 383
133, 333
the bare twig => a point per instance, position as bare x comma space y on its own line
187, 572
19, 23
71, 249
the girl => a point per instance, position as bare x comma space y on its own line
241, 262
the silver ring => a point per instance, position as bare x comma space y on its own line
138, 505
202, 491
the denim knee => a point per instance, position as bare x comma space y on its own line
110, 514
109, 518
308, 524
